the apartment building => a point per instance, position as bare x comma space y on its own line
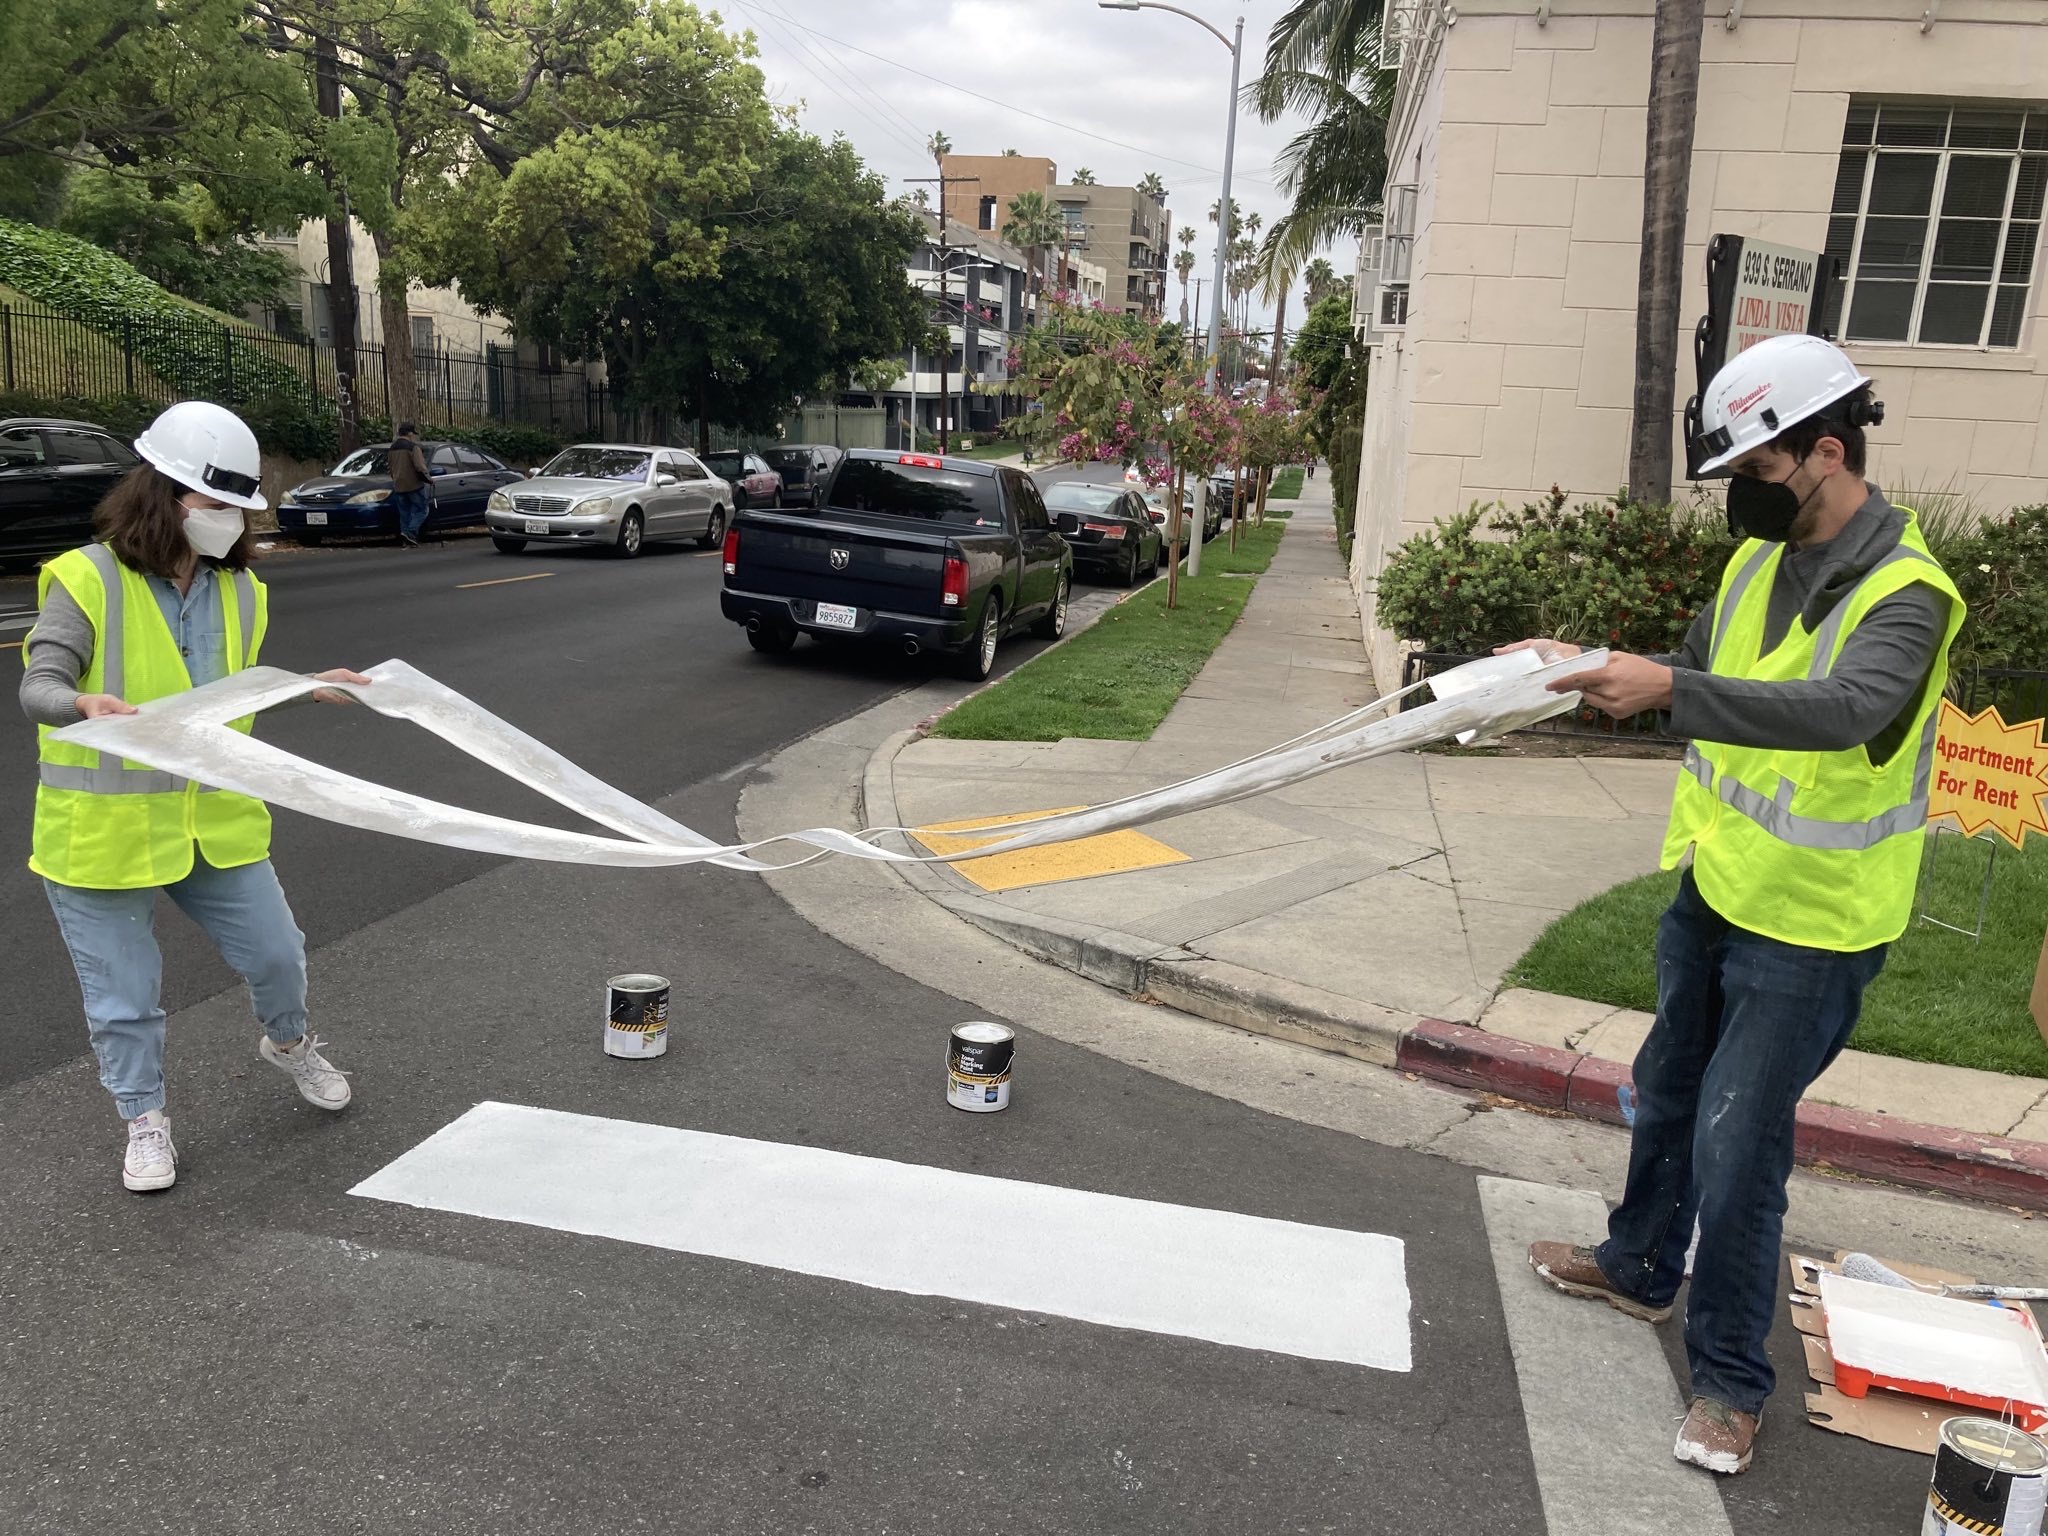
1128, 234
1906, 138
988, 184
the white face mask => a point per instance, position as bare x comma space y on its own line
213, 531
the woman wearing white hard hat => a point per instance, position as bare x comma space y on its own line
1808, 690
164, 602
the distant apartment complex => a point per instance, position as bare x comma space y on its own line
1119, 230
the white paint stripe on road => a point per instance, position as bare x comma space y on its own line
1597, 1393
1317, 1292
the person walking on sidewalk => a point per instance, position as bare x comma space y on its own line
409, 483
165, 602
1808, 691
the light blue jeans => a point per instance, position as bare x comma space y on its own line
112, 939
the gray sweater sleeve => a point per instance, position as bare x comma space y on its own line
1875, 679
59, 653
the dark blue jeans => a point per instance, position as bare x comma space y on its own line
1744, 1026
412, 511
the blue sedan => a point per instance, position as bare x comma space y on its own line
356, 499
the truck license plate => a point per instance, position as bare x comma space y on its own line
316, 519
836, 616
533, 526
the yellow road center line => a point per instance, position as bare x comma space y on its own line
502, 581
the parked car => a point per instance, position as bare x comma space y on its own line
52, 475
909, 549
1222, 492
753, 483
804, 467
356, 498
1111, 529
1159, 504
613, 496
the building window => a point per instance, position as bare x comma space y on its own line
988, 213
422, 341
1937, 219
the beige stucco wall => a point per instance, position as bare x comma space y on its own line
458, 326
1516, 368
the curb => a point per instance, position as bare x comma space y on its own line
1966, 1164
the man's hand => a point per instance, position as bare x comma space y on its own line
1626, 686
94, 705
337, 675
1547, 651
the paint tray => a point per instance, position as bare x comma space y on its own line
1940, 1347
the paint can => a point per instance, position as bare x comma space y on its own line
1990, 1479
636, 1016
978, 1059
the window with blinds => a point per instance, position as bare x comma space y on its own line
1937, 223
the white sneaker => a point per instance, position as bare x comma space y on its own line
152, 1160
320, 1082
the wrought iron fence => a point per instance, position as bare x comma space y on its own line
2021, 693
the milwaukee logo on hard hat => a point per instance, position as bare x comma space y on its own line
1741, 406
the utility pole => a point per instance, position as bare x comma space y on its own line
945, 299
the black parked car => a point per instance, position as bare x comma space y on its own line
1110, 529
804, 467
52, 475
356, 498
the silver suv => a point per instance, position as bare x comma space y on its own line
612, 495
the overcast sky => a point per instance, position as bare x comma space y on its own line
1154, 83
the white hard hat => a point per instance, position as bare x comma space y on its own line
209, 449
1776, 384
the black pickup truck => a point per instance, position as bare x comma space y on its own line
909, 549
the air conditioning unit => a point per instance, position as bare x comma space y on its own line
1391, 307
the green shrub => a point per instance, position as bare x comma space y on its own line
1602, 573
2002, 572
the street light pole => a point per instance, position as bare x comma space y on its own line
1212, 379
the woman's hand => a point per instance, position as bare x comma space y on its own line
95, 705
337, 675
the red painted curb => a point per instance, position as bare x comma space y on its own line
1933, 1157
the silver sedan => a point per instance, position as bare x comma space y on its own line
614, 496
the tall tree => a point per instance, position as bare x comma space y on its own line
938, 146
1183, 267
1152, 186
1035, 226
1320, 277
1667, 174
1083, 177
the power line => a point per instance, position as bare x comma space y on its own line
917, 133
1008, 106
802, 55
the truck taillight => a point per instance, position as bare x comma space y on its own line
732, 551
922, 460
953, 585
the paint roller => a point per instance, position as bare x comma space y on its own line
1861, 1266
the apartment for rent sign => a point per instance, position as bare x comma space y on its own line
1989, 774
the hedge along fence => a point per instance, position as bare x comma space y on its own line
1630, 576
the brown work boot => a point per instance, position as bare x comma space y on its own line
1572, 1270
1717, 1437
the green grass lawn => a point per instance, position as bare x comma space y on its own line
996, 449
1941, 996
1117, 679
1286, 484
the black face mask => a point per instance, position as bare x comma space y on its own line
1764, 509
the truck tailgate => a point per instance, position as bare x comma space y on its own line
898, 569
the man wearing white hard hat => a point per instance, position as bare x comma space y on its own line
1808, 692
165, 601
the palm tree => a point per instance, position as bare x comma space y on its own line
1667, 166
921, 197
938, 146
1036, 226
1321, 277
1183, 267
1322, 62
1151, 186
1084, 177
1009, 154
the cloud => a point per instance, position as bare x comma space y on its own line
1125, 93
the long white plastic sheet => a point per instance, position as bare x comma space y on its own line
190, 735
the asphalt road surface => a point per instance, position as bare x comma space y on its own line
261, 1350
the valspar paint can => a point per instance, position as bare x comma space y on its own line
636, 1016
1990, 1479
978, 1066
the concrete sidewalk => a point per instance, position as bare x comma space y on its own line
1373, 911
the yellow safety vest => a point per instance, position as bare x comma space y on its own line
1813, 848
107, 824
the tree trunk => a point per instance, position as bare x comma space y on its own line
341, 275
1667, 175
1174, 479
1259, 512
1279, 330
401, 377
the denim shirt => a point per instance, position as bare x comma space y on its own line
198, 623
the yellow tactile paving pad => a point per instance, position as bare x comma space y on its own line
1110, 853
